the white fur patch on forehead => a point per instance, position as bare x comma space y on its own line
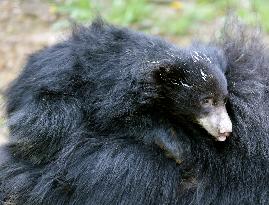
186, 85
154, 62
197, 56
204, 76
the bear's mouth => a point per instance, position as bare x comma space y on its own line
223, 136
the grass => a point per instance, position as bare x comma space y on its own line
162, 17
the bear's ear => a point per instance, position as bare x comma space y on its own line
169, 74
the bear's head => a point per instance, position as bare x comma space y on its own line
194, 88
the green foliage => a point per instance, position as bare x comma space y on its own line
174, 17
79, 10
123, 12
126, 12
262, 8
189, 17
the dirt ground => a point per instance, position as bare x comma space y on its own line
26, 26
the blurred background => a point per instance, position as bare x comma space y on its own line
29, 25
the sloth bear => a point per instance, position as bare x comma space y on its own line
113, 116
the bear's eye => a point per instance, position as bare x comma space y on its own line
225, 99
207, 102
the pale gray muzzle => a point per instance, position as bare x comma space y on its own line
217, 123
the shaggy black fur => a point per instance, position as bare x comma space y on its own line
86, 117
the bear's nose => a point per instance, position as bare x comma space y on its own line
225, 124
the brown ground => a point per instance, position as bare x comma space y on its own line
25, 26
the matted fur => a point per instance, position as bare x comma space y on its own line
80, 119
